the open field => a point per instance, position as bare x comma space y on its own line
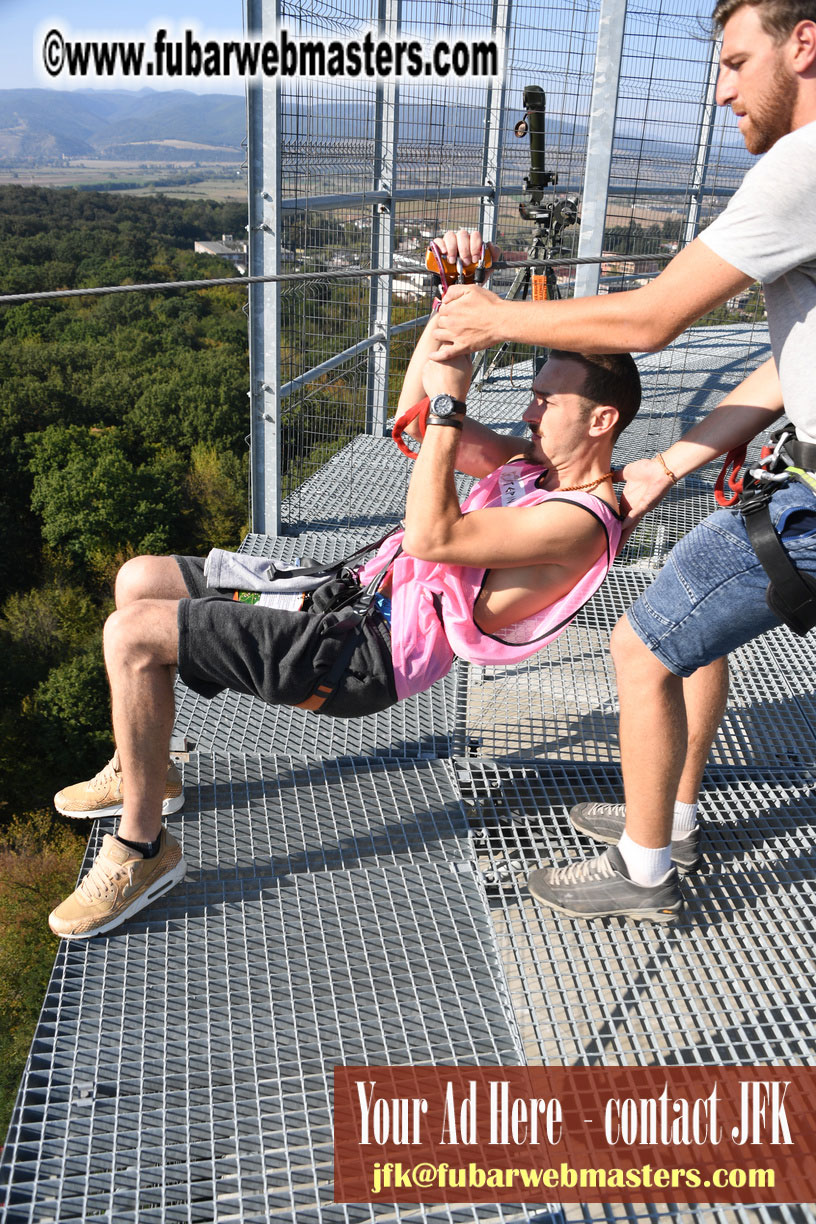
186, 179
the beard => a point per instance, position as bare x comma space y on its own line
771, 116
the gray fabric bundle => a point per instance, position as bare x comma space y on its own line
231, 571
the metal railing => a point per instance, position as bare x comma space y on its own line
364, 172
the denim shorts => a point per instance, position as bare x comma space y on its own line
709, 598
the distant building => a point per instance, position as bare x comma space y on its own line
741, 301
232, 249
408, 288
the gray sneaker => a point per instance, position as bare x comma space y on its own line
605, 823
601, 887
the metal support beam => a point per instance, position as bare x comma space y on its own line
601, 133
383, 196
382, 229
704, 136
495, 104
331, 363
264, 156
366, 198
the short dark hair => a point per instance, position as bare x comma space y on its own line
609, 378
778, 17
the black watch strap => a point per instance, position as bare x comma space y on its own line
436, 420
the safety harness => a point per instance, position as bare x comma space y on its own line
791, 595
349, 609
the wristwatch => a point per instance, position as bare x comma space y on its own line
443, 410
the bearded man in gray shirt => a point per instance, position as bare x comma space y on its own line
670, 650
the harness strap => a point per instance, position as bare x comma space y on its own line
733, 461
357, 610
312, 571
803, 454
328, 683
791, 595
419, 411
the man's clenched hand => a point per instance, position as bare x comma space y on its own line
646, 485
467, 321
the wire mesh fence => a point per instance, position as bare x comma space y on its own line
371, 172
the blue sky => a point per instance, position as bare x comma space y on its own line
21, 19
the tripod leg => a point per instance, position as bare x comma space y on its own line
518, 292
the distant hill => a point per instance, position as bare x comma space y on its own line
39, 124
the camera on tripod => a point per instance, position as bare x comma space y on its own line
537, 276
553, 218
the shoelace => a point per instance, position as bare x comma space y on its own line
99, 878
586, 869
601, 809
106, 775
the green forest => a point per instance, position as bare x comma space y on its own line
123, 421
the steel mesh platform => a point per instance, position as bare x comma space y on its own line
182, 1068
260, 818
362, 487
562, 703
729, 983
421, 726
250, 817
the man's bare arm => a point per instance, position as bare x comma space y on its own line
558, 533
746, 411
480, 450
642, 320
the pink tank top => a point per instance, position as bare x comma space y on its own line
432, 603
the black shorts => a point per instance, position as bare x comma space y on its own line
280, 656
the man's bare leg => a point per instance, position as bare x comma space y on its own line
636, 877
149, 578
141, 649
140, 643
705, 694
653, 737
667, 727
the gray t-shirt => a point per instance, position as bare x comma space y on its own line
768, 231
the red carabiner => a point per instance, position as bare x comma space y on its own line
733, 460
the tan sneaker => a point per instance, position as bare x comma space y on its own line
102, 796
120, 883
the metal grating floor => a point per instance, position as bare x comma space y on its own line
422, 726
153, 1095
249, 817
361, 488
342, 904
730, 983
562, 703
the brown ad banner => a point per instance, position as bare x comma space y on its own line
416, 1134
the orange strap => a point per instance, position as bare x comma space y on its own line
419, 411
317, 700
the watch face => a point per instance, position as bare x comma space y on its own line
443, 405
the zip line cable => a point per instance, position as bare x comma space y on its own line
9, 299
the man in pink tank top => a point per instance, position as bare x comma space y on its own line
491, 580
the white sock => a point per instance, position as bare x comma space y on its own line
685, 820
646, 866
